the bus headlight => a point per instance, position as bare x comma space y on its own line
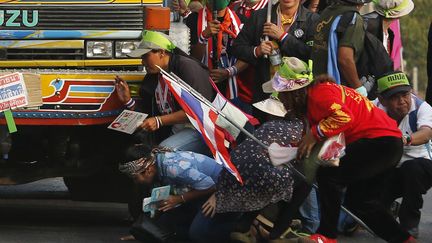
123, 48
99, 49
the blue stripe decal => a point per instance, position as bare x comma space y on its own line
68, 34
91, 89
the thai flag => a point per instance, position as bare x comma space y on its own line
208, 122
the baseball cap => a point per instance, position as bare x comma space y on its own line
393, 83
152, 40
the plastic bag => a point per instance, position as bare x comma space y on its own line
332, 150
280, 155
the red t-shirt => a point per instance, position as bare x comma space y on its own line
333, 109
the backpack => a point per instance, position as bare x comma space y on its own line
374, 61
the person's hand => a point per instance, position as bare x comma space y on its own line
219, 75
149, 124
213, 27
122, 90
179, 6
306, 145
170, 203
209, 207
273, 31
265, 48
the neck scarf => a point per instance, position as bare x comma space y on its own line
231, 25
247, 11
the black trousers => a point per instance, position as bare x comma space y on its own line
363, 171
410, 182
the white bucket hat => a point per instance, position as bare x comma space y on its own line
271, 106
393, 9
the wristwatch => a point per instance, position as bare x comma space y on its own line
408, 139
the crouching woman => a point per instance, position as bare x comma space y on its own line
192, 176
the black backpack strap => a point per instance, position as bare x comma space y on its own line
344, 22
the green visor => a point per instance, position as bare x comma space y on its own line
152, 40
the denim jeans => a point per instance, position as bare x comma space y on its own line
213, 230
310, 212
187, 139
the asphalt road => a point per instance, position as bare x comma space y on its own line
41, 212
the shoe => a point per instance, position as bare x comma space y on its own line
350, 229
414, 232
296, 225
315, 238
239, 237
292, 234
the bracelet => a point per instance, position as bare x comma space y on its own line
255, 52
408, 139
182, 197
232, 71
202, 39
282, 37
130, 103
320, 133
157, 122
160, 120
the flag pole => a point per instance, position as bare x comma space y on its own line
268, 19
201, 98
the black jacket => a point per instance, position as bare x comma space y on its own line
300, 33
189, 70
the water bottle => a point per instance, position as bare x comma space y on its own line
275, 57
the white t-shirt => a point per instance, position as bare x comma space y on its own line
424, 118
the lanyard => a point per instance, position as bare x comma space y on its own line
163, 98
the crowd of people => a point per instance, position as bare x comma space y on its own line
304, 70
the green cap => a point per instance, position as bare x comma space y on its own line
393, 83
152, 40
220, 4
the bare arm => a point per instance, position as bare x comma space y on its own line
173, 201
422, 136
241, 65
150, 124
177, 117
348, 66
